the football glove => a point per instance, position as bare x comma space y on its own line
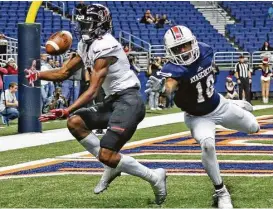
47, 117
54, 114
155, 84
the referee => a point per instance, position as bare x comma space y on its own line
243, 75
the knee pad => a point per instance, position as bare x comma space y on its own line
112, 141
208, 144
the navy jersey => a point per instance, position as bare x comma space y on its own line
195, 94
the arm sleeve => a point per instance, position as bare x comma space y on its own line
170, 70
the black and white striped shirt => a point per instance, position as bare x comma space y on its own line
242, 69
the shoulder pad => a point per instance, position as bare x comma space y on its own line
105, 46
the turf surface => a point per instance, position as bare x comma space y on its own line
76, 191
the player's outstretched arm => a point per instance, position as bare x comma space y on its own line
69, 67
98, 75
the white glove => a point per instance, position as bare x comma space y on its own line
238, 81
155, 84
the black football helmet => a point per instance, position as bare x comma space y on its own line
92, 22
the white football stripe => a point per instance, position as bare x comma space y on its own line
53, 44
67, 33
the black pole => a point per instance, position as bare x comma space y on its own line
29, 97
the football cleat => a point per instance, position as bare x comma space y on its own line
108, 176
243, 104
159, 188
222, 197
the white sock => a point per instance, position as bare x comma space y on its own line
129, 165
209, 161
92, 144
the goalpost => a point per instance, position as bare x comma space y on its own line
29, 43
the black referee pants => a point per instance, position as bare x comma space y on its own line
244, 86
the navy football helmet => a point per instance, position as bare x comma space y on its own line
92, 22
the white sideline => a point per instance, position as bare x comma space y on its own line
19, 141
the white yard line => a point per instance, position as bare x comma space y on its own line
18, 141
124, 174
199, 154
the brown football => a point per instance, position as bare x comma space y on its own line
59, 42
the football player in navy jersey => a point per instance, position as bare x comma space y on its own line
189, 75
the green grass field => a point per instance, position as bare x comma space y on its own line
76, 191
262, 141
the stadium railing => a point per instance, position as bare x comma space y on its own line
5, 57
257, 57
158, 51
227, 60
214, 8
73, 15
56, 5
12, 45
143, 54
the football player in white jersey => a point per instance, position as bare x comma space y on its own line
122, 110
190, 76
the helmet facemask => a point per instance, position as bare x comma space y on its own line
179, 57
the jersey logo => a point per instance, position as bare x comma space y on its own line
199, 69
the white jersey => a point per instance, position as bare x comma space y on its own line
120, 76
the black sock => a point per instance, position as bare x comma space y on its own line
220, 186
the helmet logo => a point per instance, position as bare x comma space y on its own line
101, 15
177, 33
79, 17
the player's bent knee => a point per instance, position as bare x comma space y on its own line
108, 157
208, 145
75, 125
73, 122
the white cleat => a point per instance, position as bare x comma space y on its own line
222, 196
108, 176
243, 104
159, 188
